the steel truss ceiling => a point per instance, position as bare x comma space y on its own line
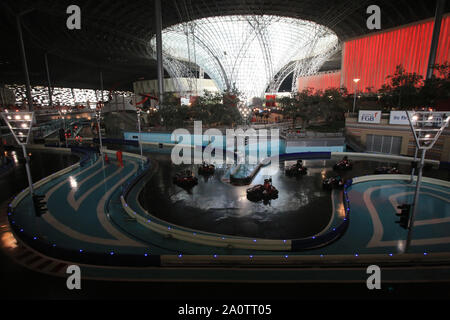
247, 51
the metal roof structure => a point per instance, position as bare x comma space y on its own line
115, 35
245, 52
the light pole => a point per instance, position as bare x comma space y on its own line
98, 114
49, 83
415, 161
62, 114
245, 113
138, 112
426, 131
356, 80
20, 125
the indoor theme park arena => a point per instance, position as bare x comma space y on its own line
224, 149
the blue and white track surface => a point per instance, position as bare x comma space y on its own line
87, 225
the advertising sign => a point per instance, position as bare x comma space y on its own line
369, 116
398, 117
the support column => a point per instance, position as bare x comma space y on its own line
159, 61
49, 84
435, 39
24, 64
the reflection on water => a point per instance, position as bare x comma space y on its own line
8, 241
73, 183
42, 164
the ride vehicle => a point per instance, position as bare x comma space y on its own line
344, 164
296, 169
332, 182
264, 191
206, 169
387, 170
185, 179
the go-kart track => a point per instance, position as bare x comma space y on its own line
135, 224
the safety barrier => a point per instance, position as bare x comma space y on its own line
400, 177
332, 234
117, 141
380, 157
244, 180
284, 157
87, 153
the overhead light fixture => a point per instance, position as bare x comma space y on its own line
21, 137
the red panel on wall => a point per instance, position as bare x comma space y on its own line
320, 81
374, 57
270, 100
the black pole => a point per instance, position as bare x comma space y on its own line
435, 38
158, 21
24, 63
49, 84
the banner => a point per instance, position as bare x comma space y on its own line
398, 117
369, 116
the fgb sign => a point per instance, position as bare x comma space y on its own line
369, 116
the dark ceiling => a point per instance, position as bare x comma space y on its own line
114, 34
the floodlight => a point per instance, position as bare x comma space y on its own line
425, 136
21, 136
